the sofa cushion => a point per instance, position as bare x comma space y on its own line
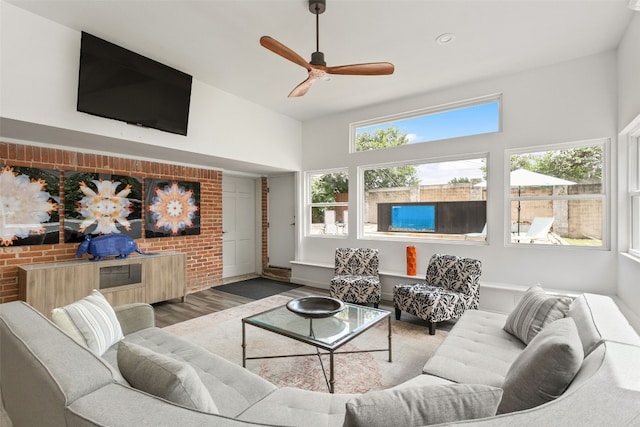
63, 321
534, 311
413, 406
232, 388
294, 407
598, 318
544, 369
475, 333
164, 377
93, 318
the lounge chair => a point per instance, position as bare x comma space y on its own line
330, 226
452, 286
356, 277
539, 230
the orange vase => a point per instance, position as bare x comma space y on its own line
411, 260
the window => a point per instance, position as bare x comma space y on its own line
558, 196
634, 193
432, 124
438, 200
328, 203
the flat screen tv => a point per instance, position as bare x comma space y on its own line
117, 83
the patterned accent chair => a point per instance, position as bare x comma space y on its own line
356, 276
453, 286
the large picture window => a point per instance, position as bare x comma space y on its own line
466, 118
328, 203
558, 196
428, 200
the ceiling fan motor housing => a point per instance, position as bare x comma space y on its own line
317, 6
317, 58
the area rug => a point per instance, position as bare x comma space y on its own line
257, 288
221, 333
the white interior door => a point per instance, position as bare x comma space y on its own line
282, 221
238, 226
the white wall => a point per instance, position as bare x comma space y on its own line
628, 71
39, 80
628, 110
569, 101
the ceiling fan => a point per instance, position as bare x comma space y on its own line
317, 67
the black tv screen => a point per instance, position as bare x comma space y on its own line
117, 83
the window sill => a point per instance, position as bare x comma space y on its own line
631, 256
382, 273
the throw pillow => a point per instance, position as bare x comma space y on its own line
534, 311
415, 406
544, 369
62, 319
164, 377
93, 318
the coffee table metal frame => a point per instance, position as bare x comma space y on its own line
356, 319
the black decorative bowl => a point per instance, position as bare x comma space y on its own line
315, 307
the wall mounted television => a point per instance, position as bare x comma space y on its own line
119, 84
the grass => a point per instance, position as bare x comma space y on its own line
583, 242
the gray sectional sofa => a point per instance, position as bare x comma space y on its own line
47, 378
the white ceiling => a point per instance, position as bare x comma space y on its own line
216, 41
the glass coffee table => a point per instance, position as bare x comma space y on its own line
325, 334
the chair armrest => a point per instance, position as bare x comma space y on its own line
134, 317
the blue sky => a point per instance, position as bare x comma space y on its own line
464, 121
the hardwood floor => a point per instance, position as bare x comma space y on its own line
210, 300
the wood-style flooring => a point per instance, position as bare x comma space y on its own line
210, 300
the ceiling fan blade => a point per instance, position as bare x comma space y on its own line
279, 49
302, 88
370, 69
315, 73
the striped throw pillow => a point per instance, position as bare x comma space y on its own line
93, 319
535, 310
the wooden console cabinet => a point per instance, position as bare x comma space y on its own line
138, 278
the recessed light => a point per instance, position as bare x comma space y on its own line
634, 5
445, 38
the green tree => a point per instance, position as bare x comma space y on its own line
582, 164
398, 176
576, 164
523, 161
325, 188
462, 180
381, 138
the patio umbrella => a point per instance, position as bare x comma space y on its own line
526, 178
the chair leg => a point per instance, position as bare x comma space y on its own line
398, 311
375, 305
432, 328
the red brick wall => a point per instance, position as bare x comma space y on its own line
204, 251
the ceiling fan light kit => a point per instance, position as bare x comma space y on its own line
317, 67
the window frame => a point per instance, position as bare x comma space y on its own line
426, 112
604, 196
634, 191
309, 205
426, 238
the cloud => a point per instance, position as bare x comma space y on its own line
443, 172
411, 137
